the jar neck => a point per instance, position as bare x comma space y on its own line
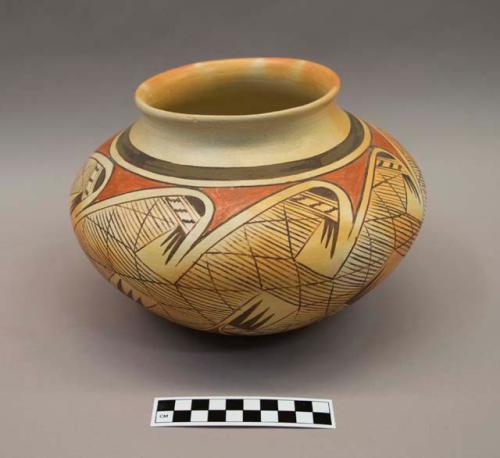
241, 141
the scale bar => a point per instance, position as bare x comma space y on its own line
242, 411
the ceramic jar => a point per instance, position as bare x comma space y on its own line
244, 200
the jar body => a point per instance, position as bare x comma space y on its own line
249, 253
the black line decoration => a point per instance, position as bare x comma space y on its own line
138, 158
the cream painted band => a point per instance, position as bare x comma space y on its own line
362, 146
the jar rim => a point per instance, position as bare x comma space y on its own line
160, 95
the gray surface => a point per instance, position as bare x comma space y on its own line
413, 368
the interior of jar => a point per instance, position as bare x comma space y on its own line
238, 87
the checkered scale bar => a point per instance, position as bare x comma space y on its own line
243, 411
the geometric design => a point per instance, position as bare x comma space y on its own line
296, 255
90, 181
250, 281
388, 227
259, 313
129, 291
412, 165
243, 411
391, 224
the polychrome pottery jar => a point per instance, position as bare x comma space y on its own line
244, 200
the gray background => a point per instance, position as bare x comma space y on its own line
413, 368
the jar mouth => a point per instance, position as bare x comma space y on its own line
237, 88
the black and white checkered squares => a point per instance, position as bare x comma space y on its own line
243, 411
